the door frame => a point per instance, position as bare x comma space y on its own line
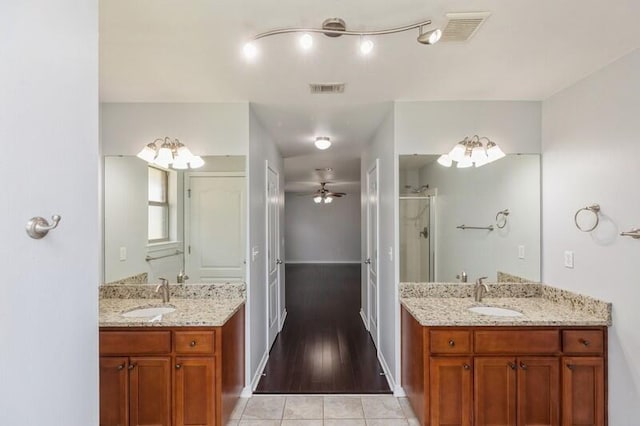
375, 166
277, 255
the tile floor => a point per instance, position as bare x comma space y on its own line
323, 410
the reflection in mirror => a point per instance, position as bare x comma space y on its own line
168, 223
482, 221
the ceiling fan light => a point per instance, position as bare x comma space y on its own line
323, 142
317, 199
444, 160
328, 200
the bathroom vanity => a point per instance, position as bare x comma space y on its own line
185, 367
545, 366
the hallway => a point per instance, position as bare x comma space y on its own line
323, 347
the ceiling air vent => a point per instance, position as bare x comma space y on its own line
463, 26
326, 88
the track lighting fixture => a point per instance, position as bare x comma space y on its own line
336, 27
470, 152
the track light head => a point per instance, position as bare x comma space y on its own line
430, 37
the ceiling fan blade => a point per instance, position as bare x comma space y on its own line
337, 194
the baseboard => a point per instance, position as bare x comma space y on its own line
364, 320
284, 318
294, 262
259, 370
387, 372
246, 392
398, 392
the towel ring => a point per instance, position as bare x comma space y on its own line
501, 218
595, 209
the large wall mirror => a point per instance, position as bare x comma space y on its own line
161, 222
483, 221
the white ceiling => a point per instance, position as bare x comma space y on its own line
176, 51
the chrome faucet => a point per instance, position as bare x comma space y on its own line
164, 286
479, 289
462, 277
182, 277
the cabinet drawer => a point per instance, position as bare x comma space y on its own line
583, 341
517, 341
135, 342
450, 342
194, 342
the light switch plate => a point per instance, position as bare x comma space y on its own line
568, 259
123, 254
390, 254
520, 252
254, 253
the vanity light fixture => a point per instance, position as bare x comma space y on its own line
336, 27
323, 142
170, 152
472, 151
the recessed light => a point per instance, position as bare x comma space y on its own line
323, 142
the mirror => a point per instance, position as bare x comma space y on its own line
160, 222
483, 221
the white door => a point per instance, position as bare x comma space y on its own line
215, 228
273, 254
372, 251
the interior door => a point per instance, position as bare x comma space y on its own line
273, 254
215, 228
372, 251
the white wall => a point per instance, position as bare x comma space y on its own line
322, 232
206, 128
48, 295
434, 127
262, 149
590, 155
473, 196
381, 147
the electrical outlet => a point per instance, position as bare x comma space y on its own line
520, 252
123, 254
568, 259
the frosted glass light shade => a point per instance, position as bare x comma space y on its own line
323, 142
478, 154
148, 153
196, 162
457, 153
184, 154
328, 200
164, 156
494, 152
464, 163
317, 199
178, 164
444, 160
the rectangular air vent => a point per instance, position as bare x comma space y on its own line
463, 26
326, 88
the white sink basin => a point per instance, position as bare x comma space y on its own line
495, 311
149, 312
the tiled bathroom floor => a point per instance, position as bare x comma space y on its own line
323, 410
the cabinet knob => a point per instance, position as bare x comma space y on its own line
120, 367
523, 365
178, 366
512, 365
452, 343
131, 366
192, 343
466, 366
585, 342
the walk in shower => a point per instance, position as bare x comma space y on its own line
416, 224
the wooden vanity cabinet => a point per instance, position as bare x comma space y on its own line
164, 376
504, 376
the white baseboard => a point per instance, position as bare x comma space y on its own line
387, 372
398, 392
364, 320
259, 370
246, 392
284, 318
322, 261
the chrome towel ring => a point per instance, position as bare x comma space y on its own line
595, 209
501, 218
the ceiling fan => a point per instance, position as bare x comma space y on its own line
324, 195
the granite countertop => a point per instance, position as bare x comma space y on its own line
197, 305
541, 305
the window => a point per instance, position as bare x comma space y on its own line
158, 205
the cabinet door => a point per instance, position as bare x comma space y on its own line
114, 389
583, 391
495, 391
538, 391
194, 397
451, 391
150, 389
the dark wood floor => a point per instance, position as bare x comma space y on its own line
323, 347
